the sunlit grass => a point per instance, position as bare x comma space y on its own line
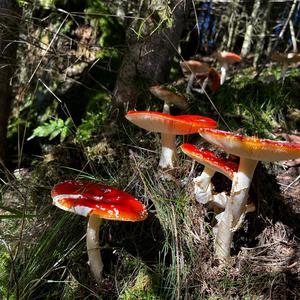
169, 256
258, 106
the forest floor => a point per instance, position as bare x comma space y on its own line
170, 255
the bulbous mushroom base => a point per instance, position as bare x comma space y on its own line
203, 186
168, 158
236, 206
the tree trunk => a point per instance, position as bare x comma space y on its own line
242, 14
249, 29
9, 21
261, 39
148, 59
287, 20
272, 46
234, 19
293, 36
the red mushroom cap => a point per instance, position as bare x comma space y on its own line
214, 79
193, 66
165, 123
88, 198
227, 57
209, 159
251, 147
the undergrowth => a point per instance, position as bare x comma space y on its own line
169, 256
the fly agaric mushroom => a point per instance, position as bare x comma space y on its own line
169, 98
212, 164
285, 59
97, 201
169, 126
225, 59
212, 79
190, 68
250, 150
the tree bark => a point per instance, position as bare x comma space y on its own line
249, 29
148, 58
233, 22
9, 22
272, 46
293, 36
287, 20
262, 37
242, 14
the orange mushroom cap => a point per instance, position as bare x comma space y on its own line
169, 97
251, 147
209, 159
227, 57
165, 123
214, 79
93, 199
193, 66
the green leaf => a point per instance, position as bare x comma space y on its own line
53, 129
64, 133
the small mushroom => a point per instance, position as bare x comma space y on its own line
97, 201
190, 68
214, 80
211, 78
169, 126
285, 59
212, 163
250, 150
169, 98
225, 59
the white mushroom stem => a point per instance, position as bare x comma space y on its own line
166, 109
190, 83
224, 68
168, 156
203, 87
203, 187
219, 200
235, 207
93, 248
205, 83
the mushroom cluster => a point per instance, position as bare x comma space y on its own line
212, 164
98, 201
233, 207
206, 75
250, 150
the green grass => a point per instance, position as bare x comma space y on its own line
257, 106
166, 257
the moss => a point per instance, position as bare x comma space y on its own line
141, 288
5, 264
